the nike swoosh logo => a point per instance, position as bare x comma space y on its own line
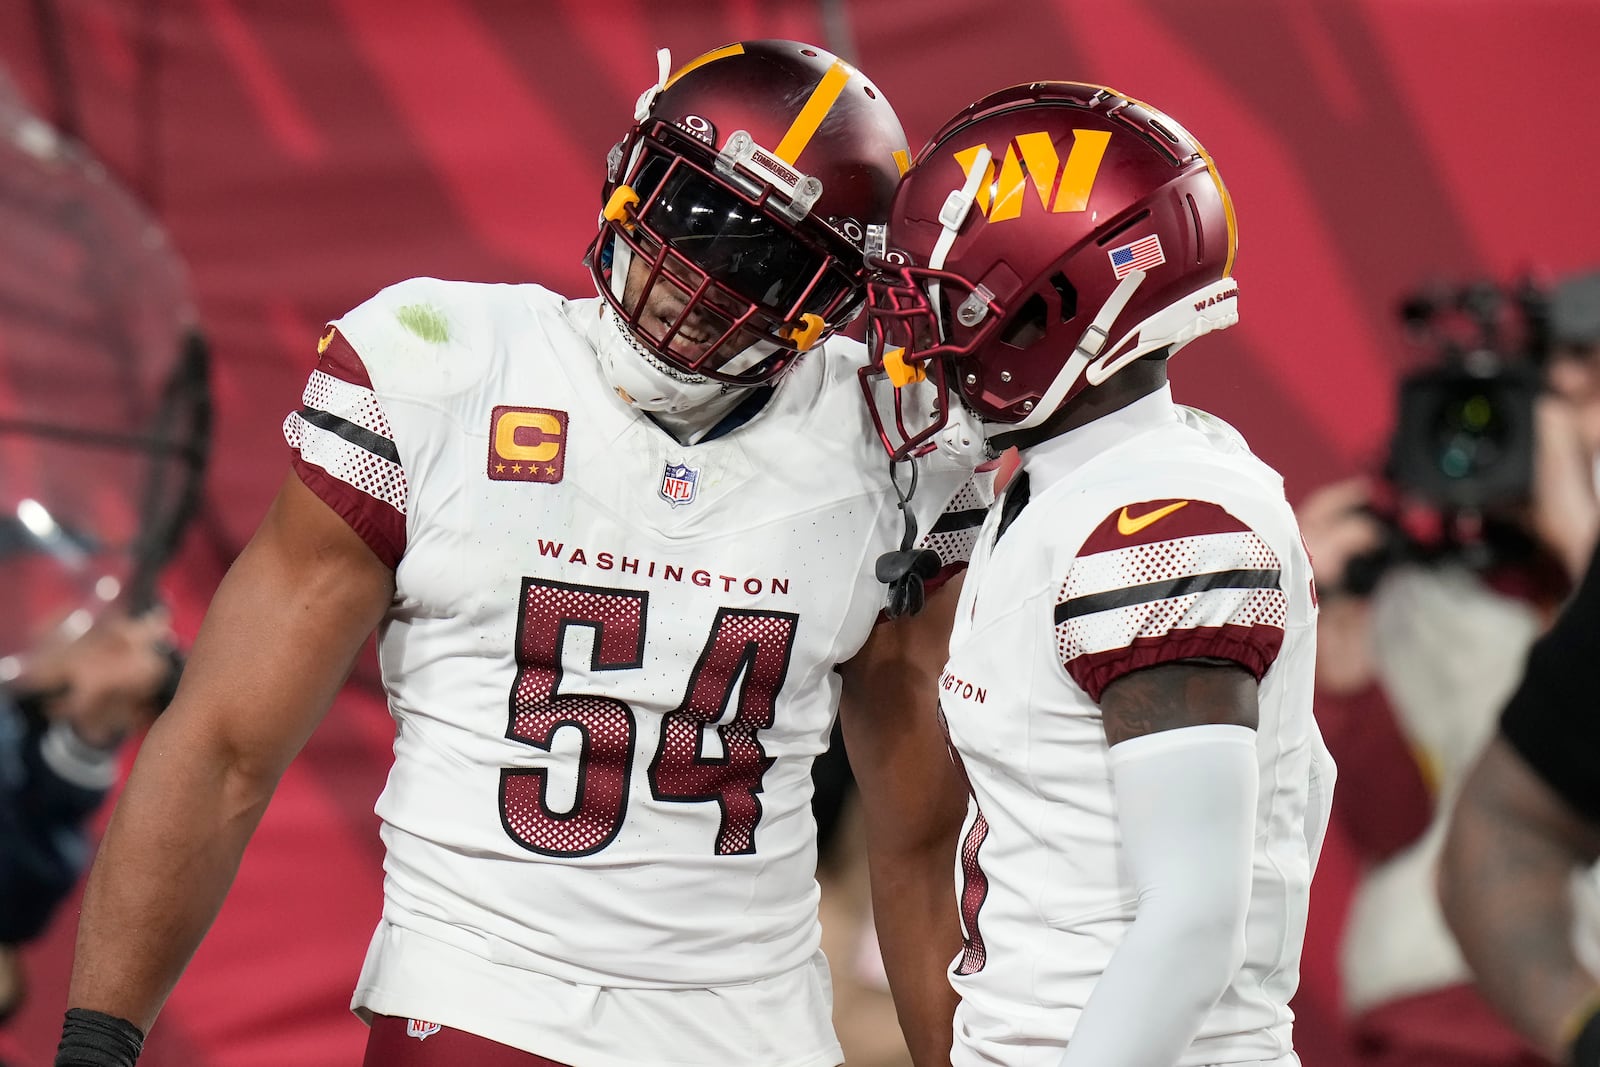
1127, 525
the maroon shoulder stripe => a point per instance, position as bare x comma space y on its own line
1159, 520
338, 360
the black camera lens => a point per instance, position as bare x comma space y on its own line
1470, 434
1465, 440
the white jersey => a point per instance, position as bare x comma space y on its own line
1149, 535
610, 657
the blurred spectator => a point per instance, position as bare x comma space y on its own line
104, 432
1418, 651
104, 427
1527, 819
63, 717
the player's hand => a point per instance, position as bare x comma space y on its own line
1338, 526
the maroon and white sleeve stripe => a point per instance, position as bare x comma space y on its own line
1194, 582
345, 450
955, 533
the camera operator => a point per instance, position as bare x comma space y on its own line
1434, 583
63, 716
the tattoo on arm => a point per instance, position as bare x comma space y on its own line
1510, 852
1170, 696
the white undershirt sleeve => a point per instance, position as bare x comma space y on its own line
1186, 805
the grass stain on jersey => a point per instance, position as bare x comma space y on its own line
428, 323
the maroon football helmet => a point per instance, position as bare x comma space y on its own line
744, 191
1049, 235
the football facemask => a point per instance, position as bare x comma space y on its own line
714, 270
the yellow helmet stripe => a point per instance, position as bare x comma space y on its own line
806, 123
902, 160
1227, 209
710, 57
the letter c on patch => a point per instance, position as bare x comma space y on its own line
528, 436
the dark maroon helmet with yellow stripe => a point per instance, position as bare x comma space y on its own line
1048, 236
746, 186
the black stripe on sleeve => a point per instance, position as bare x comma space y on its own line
952, 521
1172, 587
359, 436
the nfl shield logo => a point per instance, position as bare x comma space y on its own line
677, 483
421, 1029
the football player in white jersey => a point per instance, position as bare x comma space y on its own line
620, 554
1129, 681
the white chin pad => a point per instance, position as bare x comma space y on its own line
964, 435
642, 379
1213, 307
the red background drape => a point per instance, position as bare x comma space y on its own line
305, 153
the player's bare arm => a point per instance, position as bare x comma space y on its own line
1171, 696
913, 801
277, 643
1504, 883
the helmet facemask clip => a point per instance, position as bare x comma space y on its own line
741, 157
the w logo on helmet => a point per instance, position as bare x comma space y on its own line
1032, 158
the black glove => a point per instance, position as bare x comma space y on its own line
95, 1039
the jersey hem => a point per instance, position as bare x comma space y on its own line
368, 1002
498, 952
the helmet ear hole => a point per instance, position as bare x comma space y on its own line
1199, 229
1028, 324
1069, 296
1111, 236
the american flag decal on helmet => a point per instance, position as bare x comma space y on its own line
1140, 255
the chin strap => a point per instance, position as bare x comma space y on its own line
905, 570
647, 99
951, 217
1084, 356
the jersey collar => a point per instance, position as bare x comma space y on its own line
1055, 459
